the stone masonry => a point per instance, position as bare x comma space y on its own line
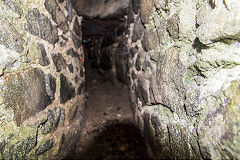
41, 108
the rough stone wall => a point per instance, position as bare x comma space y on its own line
41, 78
184, 76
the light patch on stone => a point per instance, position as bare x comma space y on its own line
223, 22
187, 21
8, 58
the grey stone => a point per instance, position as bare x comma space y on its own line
130, 18
121, 60
25, 93
69, 10
72, 53
82, 72
42, 55
134, 75
153, 89
81, 88
18, 150
143, 89
146, 9
138, 29
66, 89
77, 28
133, 51
148, 130
170, 72
48, 144
172, 26
10, 37
220, 22
50, 83
70, 68
147, 64
15, 6
55, 117
138, 64
101, 8
56, 13
39, 25
150, 40
135, 5
59, 62
76, 41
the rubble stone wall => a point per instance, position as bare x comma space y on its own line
184, 76
41, 78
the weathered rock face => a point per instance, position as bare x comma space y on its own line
39, 79
183, 59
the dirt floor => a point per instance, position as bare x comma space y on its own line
110, 132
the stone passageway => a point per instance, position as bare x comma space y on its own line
110, 131
119, 79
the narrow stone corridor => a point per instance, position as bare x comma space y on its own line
119, 79
110, 131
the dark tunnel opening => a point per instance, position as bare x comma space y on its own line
100, 39
110, 131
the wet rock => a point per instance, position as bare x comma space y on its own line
55, 117
138, 29
39, 25
10, 37
26, 93
59, 62
42, 55
66, 89
48, 144
172, 26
